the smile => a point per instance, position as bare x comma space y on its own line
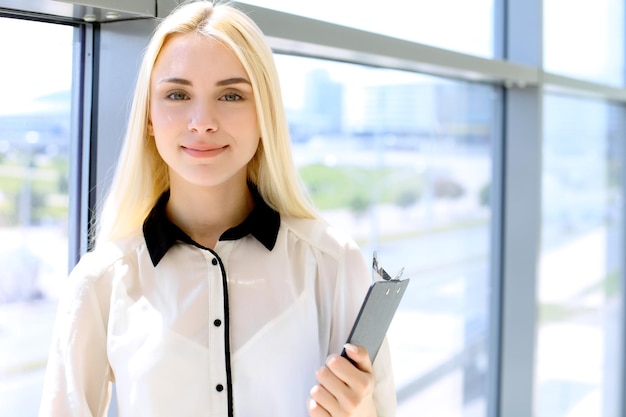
203, 153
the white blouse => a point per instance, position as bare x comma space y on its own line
187, 331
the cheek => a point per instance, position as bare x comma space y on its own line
160, 146
243, 119
162, 120
252, 125
254, 144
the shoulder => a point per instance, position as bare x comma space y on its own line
332, 247
319, 234
97, 262
86, 293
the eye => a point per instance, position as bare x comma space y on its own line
177, 95
231, 97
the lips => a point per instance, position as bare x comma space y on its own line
203, 151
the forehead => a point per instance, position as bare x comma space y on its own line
194, 54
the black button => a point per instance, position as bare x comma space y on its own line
214, 261
219, 387
217, 322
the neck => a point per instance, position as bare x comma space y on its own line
205, 213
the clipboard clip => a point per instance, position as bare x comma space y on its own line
378, 270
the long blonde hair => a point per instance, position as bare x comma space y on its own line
141, 175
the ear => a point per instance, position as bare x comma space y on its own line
150, 128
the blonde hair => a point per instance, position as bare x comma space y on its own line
141, 175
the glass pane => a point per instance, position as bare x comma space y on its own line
585, 39
461, 25
402, 162
580, 309
36, 79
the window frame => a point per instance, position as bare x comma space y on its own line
517, 71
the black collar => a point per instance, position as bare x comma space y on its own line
161, 234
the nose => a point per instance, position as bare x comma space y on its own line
203, 118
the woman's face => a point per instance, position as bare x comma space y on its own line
202, 112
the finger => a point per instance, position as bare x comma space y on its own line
345, 383
340, 375
330, 376
359, 356
316, 403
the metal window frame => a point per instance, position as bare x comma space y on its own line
78, 150
80, 171
517, 70
517, 159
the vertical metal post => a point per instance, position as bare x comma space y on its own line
82, 81
521, 213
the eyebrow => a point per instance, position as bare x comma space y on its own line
235, 80
182, 81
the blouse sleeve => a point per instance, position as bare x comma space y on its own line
349, 296
78, 376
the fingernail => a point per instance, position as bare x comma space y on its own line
351, 348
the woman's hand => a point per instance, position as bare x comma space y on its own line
344, 390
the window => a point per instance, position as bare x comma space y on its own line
402, 162
436, 23
585, 39
580, 292
35, 119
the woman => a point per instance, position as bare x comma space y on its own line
213, 289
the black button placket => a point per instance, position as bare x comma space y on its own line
219, 342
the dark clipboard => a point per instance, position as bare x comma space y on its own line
379, 306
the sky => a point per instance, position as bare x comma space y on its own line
36, 60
